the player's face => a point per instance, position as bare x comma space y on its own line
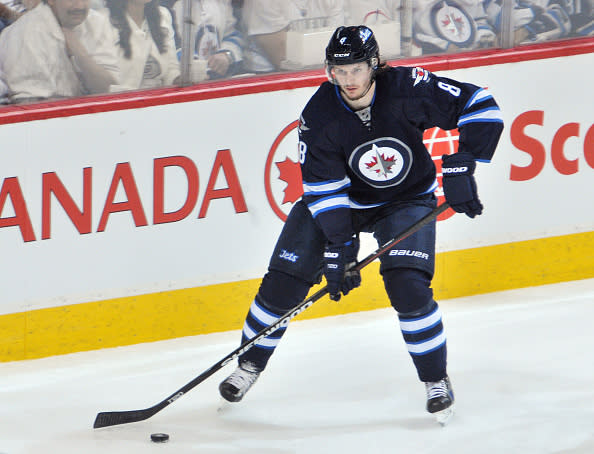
70, 13
353, 79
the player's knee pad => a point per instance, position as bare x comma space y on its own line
409, 289
280, 292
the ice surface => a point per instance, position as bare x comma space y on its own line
521, 364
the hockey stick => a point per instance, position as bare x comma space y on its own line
112, 418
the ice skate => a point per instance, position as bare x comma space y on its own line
440, 400
236, 385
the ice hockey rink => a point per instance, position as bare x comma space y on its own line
521, 364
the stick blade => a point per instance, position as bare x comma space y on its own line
114, 418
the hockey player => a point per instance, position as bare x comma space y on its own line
365, 169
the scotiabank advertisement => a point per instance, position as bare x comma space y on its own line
182, 195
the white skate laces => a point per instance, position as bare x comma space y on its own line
236, 385
440, 399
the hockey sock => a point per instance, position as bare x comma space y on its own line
411, 295
426, 342
279, 292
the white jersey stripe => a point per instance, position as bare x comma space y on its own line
490, 114
327, 187
479, 95
360, 206
329, 203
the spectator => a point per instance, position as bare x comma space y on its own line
13, 5
3, 91
7, 15
11, 10
59, 49
266, 22
535, 21
215, 37
146, 47
169, 4
28, 5
21, 6
582, 18
485, 32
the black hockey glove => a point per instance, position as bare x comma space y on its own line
337, 258
459, 185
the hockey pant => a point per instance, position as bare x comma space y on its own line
407, 270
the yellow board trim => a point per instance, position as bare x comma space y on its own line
202, 310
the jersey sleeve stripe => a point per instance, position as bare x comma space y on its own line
325, 187
432, 188
480, 95
360, 206
490, 114
328, 203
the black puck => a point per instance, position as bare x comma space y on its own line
159, 437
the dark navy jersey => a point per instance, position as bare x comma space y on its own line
358, 160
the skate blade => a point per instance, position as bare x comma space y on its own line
444, 416
224, 405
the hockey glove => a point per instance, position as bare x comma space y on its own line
337, 260
459, 185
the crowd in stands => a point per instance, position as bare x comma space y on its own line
52, 49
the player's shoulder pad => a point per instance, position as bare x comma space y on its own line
320, 108
409, 77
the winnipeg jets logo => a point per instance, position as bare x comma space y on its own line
419, 74
453, 23
364, 34
381, 163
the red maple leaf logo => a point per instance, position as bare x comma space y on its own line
290, 173
381, 165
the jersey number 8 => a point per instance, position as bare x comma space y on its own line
302, 151
454, 91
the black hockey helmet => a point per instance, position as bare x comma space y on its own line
352, 44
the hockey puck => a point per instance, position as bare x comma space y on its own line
159, 438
